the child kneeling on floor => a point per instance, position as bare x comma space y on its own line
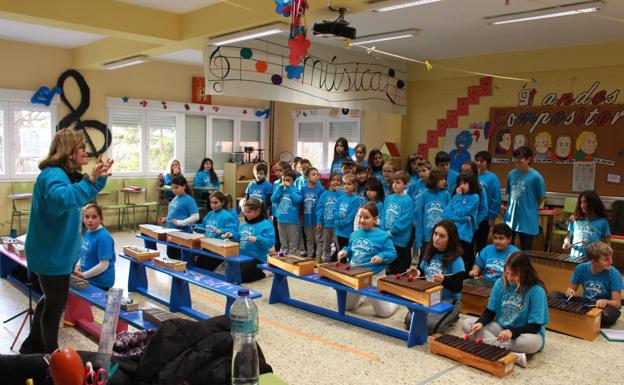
371, 248
517, 311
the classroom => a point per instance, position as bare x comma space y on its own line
311, 191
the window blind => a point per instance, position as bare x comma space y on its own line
222, 141
194, 142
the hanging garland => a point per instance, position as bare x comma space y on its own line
298, 40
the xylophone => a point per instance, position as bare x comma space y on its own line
170, 264
417, 290
574, 317
192, 241
224, 248
156, 232
555, 269
140, 254
355, 277
490, 358
474, 299
292, 264
157, 316
129, 304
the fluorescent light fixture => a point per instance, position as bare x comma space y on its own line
394, 5
547, 16
572, 9
254, 33
385, 36
130, 61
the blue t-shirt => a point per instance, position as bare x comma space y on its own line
265, 239
361, 193
220, 220
386, 187
287, 199
463, 210
97, 246
416, 188
276, 185
397, 218
365, 244
524, 189
492, 261
309, 200
492, 186
512, 310
326, 208
203, 179
336, 165
435, 267
347, 205
181, 207
300, 182
363, 164
585, 231
428, 212
260, 190
597, 286
377, 174
451, 181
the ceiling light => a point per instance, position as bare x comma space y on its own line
546, 13
385, 36
130, 61
394, 5
254, 33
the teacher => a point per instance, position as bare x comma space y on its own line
53, 239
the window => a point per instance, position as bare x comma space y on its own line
222, 142
317, 136
232, 135
194, 143
162, 132
125, 126
250, 136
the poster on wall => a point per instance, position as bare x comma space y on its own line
463, 143
328, 76
584, 176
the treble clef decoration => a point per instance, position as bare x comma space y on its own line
219, 63
76, 113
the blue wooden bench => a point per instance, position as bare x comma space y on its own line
416, 335
180, 296
233, 272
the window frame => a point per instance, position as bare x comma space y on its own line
326, 122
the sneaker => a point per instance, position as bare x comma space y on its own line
521, 361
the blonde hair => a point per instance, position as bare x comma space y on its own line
170, 166
598, 249
62, 148
546, 136
581, 138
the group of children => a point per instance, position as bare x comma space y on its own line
371, 214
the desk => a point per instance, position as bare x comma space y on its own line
417, 334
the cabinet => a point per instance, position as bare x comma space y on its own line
236, 178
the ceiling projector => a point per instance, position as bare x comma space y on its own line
338, 28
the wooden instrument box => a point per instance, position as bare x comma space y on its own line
554, 269
474, 299
355, 277
192, 241
293, 264
221, 247
156, 232
170, 264
492, 359
140, 254
574, 319
423, 292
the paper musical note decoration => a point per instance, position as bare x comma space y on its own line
44, 95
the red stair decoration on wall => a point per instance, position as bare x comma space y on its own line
474, 94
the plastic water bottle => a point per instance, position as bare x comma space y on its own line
244, 327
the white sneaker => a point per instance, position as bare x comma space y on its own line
521, 361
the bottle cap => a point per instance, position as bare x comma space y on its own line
243, 292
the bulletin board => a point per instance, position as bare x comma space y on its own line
560, 136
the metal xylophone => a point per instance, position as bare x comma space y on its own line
424, 292
490, 358
574, 317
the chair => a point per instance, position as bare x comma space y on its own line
19, 209
569, 207
134, 204
109, 200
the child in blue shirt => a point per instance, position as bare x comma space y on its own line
375, 193
326, 215
348, 167
260, 188
526, 191
589, 225
341, 153
361, 173
418, 186
280, 168
375, 164
302, 168
287, 198
310, 195
387, 172
442, 263
429, 208
346, 207
443, 161
602, 283
182, 211
97, 250
174, 168
398, 215
463, 209
517, 311
256, 237
206, 177
372, 248
491, 185
411, 168
491, 259
360, 155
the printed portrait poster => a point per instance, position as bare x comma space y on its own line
463, 143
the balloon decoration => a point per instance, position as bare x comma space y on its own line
76, 113
298, 41
66, 367
44, 95
263, 113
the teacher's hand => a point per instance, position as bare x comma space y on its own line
100, 169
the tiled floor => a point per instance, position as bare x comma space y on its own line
305, 348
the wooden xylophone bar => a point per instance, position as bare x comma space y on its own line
572, 306
486, 351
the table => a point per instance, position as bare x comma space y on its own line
416, 335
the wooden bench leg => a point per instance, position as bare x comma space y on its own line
279, 289
418, 330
